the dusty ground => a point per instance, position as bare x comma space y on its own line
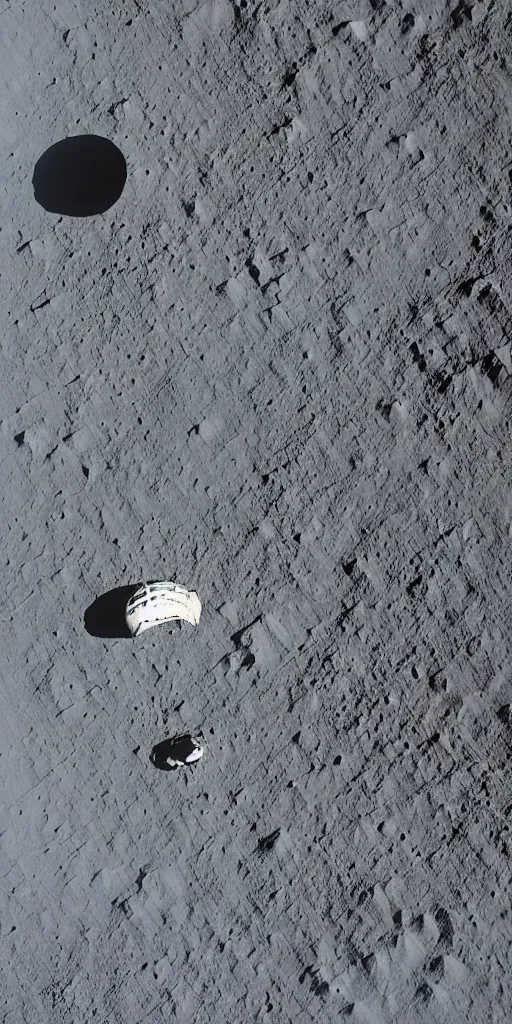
277, 370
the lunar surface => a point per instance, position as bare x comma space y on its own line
256, 322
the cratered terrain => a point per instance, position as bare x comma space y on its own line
256, 320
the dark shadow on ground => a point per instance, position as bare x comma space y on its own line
80, 176
106, 615
177, 747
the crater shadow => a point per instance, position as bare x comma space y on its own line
105, 617
80, 176
176, 747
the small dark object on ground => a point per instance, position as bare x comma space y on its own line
177, 752
80, 176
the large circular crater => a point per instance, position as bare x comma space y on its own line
80, 176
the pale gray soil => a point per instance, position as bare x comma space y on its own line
278, 371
